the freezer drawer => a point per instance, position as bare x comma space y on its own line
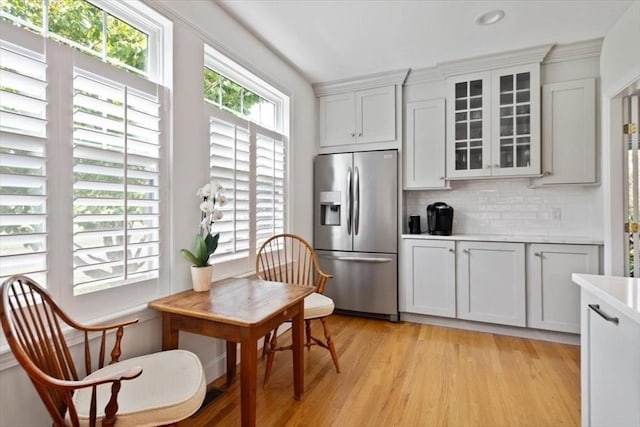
362, 282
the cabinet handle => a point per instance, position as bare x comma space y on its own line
353, 135
466, 251
442, 178
538, 254
452, 251
359, 133
605, 316
547, 173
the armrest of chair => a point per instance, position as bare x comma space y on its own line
116, 351
321, 280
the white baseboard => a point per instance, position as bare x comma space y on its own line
537, 334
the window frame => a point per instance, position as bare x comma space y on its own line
220, 63
60, 60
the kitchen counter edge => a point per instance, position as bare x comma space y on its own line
569, 240
621, 293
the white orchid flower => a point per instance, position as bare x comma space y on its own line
207, 206
222, 200
204, 191
217, 214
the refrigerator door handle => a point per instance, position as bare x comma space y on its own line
356, 259
349, 193
356, 202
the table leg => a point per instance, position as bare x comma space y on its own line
297, 332
248, 379
169, 334
231, 361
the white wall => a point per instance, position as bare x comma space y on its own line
619, 68
195, 21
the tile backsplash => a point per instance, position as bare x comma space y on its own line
511, 207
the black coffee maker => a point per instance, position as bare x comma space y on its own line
439, 219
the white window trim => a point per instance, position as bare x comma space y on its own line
60, 61
222, 64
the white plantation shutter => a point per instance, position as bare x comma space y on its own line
23, 173
270, 179
116, 167
230, 166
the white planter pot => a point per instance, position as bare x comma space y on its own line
201, 278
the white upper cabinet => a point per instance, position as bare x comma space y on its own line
424, 164
375, 115
361, 114
494, 123
337, 119
569, 132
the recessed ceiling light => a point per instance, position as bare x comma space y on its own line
490, 17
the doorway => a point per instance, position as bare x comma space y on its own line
631, 166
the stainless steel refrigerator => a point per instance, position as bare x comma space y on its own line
356, 230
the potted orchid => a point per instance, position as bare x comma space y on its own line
213, 198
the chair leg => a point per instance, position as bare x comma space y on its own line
265, 344
270, 356
307, 324
332, 348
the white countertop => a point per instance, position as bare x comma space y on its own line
622, 293
509, 238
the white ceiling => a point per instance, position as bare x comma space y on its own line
336, 39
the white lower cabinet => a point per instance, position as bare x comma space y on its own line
610, 366
491, 282
429, 277
553, 300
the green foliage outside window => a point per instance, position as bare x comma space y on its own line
80, 22
228, 94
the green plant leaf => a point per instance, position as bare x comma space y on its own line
189, 256
212, 243
201, 251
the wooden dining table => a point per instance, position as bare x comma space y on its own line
239, 310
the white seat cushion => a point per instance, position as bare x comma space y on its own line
317, 305
171, 387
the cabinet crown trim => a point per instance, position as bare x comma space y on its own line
365, 82
574, 51
510, 58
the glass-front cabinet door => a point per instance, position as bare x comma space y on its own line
493, 123
468, 149
516, 123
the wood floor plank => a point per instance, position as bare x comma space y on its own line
404, 374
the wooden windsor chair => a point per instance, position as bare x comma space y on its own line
289, 258
156, 389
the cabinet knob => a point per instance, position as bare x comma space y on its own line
452, 251
496, 166
359, 133
538, 254
442, 178
466, 251
547, 173
488, 167
353, 135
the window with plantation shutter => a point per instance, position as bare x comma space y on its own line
23, 172
248, 157
230, 166
116, 169
270, 179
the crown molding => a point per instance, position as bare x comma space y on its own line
424, 75
365, 82
489, 62
574, 51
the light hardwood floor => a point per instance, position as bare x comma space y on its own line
406, 374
